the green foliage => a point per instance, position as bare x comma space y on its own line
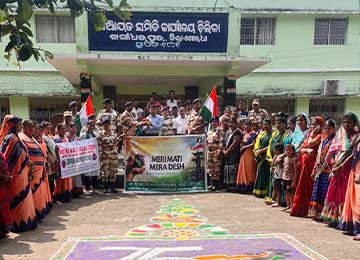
15, 14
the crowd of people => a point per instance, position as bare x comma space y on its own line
308, 166
304, 165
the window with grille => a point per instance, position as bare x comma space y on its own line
330, 31
257, 31
46, 109
55, 29
4, 107
273, 105
329, 108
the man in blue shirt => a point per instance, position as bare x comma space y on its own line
155, 123
243, 114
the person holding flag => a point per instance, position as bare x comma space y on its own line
198, 118
82, 117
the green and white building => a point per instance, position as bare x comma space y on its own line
295, 56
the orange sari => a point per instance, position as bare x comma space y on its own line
21, 200
63, 187
350, 219
247, 165
37, 183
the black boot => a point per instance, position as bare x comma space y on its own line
113, 190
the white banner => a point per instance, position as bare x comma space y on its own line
78, 157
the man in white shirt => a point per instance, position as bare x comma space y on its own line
136, 109
171, 101
180, 124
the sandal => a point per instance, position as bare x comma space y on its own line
356, 238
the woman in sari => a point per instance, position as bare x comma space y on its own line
247, 165
63, 187
231, 153
340, 159
16, 155
5, 215
37, 157
51, 156
291, 124
321, 172
277, 137
350, 219
301, 130
262, 164
307, 156
39, 138
77, 190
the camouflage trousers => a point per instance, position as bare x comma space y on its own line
214, 165
109, 166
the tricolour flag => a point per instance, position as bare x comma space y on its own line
86, 110
210, 108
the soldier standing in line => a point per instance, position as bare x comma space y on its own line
109, 113
215, 144
108, 141
196, 124
168, 121
128, 121
188, 107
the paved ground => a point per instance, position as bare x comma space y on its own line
104, 215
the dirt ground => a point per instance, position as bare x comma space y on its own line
114, 215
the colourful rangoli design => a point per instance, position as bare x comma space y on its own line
178, 232
178, 221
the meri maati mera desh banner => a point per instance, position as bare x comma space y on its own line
78, 157
165, 164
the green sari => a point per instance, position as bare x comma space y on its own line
262, 165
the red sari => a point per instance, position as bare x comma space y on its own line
342, 146
5, 215
305, 186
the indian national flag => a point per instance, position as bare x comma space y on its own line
86, 110
210, 108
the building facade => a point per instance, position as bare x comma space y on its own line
313, 47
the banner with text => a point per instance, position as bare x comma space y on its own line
161, 32
165, 164
78, 157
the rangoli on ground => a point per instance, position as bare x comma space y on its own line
179, 232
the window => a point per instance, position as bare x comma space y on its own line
48, 109
55, 29
333, 108
330, 31
257, 31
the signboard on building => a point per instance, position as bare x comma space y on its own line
165, 164
162, 32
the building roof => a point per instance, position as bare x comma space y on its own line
285, 5
35, 84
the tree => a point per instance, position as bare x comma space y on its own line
15, 16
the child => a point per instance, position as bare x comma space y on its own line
290, 169
277, 169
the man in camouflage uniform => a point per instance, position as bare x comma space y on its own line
188, 107
168, 121
196, 124
257, 111
109, 113
107, 141
215, 144
128, 121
